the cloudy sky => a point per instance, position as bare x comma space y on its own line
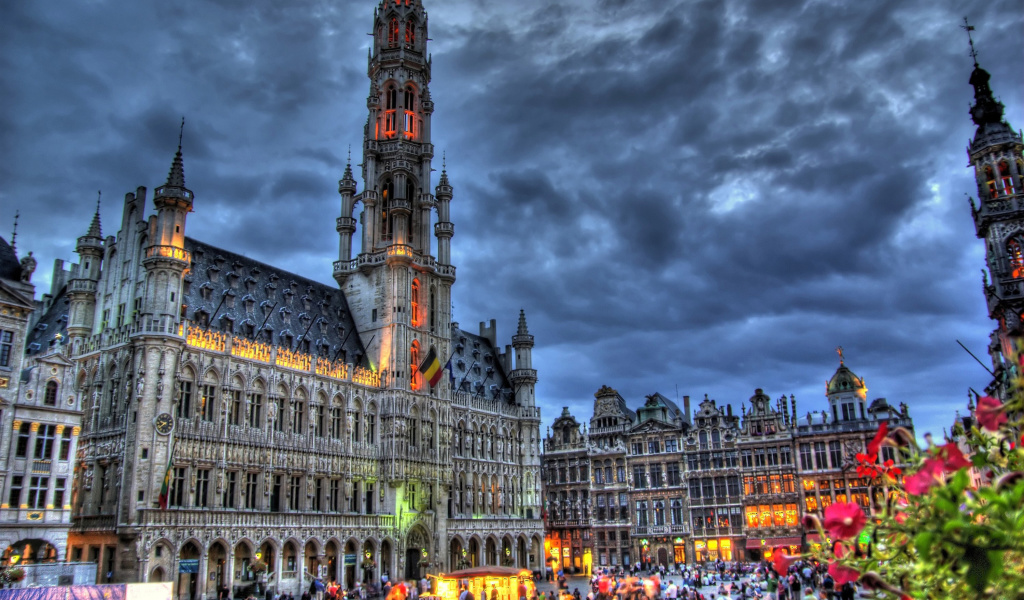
690, 197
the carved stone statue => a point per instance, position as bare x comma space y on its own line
28, 266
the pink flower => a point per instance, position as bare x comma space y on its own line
782, 561
842, 574
928, 476
844, 520
990, 413
952, 458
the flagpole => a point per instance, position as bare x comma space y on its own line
465, 376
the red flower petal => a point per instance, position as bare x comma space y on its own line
844, 520
922, 481
782, 561
952, 458
842, 574
990, 413
876, 442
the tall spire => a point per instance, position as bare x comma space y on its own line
14, 234
522, 323
94, 227
986, 109
176, 177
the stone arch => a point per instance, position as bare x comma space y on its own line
188, 583
416, 541
491, 550
217, 567
311, 552
351, 547
507, 557
332, 559
290, 558
474, 551
521, 554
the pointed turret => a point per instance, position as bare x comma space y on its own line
84, 280
524, 377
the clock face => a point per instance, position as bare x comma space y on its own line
164, 423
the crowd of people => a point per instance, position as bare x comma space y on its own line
730, 581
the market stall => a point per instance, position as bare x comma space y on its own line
504, 581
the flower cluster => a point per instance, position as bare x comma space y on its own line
952, 527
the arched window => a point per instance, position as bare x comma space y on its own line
371, 426
416, 381
50, 396
387, 195
411, 123
431, 308
1006, 177
410, 32
390, 106
393, 32
414, 299
1013, 250
990, 183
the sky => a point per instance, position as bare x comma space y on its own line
686, 197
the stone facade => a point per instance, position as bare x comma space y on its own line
40, 422
705, 485
245, 426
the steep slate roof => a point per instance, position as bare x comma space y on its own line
294, 301
468, 348
49, 325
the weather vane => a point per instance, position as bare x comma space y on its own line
14, 234
181, 131
969, 28
839, 349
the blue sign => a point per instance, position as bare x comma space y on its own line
350, 559
188, 565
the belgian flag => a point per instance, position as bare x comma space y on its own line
431, 368
165, 489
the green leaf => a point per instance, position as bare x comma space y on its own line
922, 542
979, 568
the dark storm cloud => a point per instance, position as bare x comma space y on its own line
704, 195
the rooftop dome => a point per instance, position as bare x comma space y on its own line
846, 380
10, 268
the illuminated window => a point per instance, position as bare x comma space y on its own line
414, 352
990, 183
390, 106
791, 515
415, 312
410, 129
393, 32
1006, 177
779, 515
766, 515
410, 32
385, 214
812, 503
752, 520
1016, 258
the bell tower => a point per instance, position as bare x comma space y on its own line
399, 293
995, 153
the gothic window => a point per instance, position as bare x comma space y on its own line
415, 312
431, 308
410, 113
414, 353
1013, 250
1006, 177
386, 225
990, 183
393, 32
371, 426
410, 32
390, 106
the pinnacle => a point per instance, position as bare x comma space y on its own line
176, 177
94, 227
522, 323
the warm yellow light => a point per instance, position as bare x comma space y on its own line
365, 377
293, 360
243, 348
15, 558
207, 340
326, 368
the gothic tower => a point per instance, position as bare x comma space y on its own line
166, 258
83, 282
996, 155
399, 293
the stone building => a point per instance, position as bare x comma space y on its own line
674, 486
658, 494
40, 418
771, 500
712, 477
827, 443
243, 424
609, 427
566, 477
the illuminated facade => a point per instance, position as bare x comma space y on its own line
673, 486
827, 442
566, 475
243, 425
997, 155
39, 416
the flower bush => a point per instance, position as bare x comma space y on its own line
953, 527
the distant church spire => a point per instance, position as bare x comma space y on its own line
94, 227
986, 109
14, 233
